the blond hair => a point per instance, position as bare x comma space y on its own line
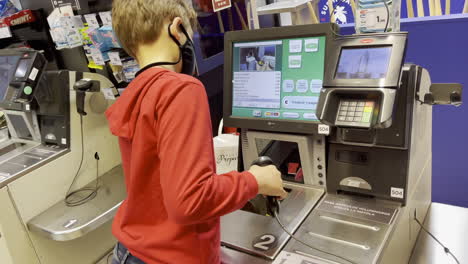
138, 22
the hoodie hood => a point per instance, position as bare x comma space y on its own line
123, 114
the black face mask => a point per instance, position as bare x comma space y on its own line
187, 55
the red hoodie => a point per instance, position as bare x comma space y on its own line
174, 197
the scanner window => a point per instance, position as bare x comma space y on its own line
20, 126
285, 156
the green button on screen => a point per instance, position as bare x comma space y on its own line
27, 90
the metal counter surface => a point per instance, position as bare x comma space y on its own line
23, 163
447, 223
63, 223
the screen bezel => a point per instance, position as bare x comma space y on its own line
269, 124
397, 41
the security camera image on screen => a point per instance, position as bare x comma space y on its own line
363, 63
278, 79
7, 68
258, 58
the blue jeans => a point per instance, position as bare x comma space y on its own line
123, 256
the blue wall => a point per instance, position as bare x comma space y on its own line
440, 44
456, 7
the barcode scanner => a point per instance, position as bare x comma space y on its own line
272, 203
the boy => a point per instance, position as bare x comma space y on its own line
174, 198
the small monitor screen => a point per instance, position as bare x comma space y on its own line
22, 68
278, 79
363, 63
7, 69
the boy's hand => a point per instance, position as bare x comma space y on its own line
269, 181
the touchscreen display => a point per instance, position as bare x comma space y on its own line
363, 63
278, 79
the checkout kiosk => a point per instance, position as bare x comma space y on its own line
349, 125
55, 128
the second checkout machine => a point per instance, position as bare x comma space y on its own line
349, 126
56, 125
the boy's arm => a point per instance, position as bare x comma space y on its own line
191, 189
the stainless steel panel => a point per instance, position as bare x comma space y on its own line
448, 223
240, 229
20, 157
62, 223
13, 148
24, 160
355, 239
231, 256
398, 42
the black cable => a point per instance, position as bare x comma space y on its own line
331, 24
334, 32
446, 249
307, 245
388, 15
93, 190
109, 257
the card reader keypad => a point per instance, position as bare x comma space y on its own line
355, 113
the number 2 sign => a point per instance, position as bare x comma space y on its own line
265, 242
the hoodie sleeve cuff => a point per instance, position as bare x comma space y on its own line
252, 185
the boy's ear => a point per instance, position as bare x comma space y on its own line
175, 28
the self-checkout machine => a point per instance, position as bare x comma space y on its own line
276, 110
377, 157
56, 125
379, 165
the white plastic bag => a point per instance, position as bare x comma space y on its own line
226, 149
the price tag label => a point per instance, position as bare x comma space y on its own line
324, 129
114, 58
97, 57
5, 32
106, 18
108, 93
373, 19
92, 21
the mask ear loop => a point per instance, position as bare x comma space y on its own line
165, 62
185, 33
172, 36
